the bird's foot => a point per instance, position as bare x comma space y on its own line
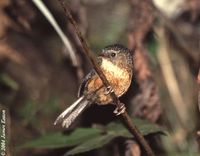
119, 110
108, 90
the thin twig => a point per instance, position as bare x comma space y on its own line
88, 51
126, 118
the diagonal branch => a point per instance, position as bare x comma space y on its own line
126, 118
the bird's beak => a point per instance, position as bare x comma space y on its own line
103, 54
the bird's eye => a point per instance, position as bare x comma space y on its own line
113, 54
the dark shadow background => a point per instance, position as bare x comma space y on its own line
38, 80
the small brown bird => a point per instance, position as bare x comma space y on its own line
116, 62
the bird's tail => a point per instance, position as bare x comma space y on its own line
71, 113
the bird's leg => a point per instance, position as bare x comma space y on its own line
119, 109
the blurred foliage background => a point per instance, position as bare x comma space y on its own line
38, 79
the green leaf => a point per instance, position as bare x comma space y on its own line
86, 139
58, 140
144, 126
112, 131
152, 45
7, 80
91, 144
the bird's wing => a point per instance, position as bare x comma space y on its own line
88, 77
84, 82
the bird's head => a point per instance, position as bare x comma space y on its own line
118, 55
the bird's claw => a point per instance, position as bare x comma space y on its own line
108, 90
119, 110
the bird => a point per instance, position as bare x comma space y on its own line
116, 63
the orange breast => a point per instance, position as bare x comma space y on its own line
119, 80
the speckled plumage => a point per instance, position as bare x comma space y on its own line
118, 72
116, 62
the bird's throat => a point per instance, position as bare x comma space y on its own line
109, 68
